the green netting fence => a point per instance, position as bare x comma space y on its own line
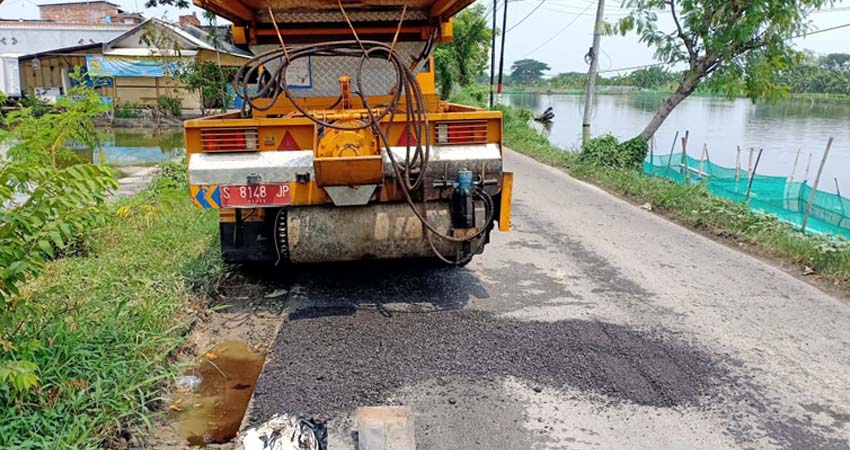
771, 194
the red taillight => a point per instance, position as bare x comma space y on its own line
461, 132
230, 140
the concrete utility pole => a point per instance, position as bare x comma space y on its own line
502, 50
493, 53
591, 74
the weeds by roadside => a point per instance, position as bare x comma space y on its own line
691, 205
108, 319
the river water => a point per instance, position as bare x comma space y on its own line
780, 129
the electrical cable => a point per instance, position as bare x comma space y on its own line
410, 175
526, 16
575, 19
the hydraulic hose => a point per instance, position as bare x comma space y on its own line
410, 173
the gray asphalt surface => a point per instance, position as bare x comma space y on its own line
592, 325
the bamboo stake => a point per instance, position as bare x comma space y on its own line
840, 202
702, 158
738, 168
753, 175
750, 164
672, 149
794, 168
808, 164
815, 186
685, 157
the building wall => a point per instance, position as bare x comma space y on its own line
135, 90
88, 12
23, 38
49, 74
144, 91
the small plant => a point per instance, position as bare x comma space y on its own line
170, 104
209, 81
472, 95
607, 151
128, 110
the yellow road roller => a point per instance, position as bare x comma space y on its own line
341, 149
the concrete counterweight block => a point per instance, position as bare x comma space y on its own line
385, 428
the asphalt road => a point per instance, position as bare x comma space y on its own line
592, 325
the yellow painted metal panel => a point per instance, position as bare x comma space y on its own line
505, 205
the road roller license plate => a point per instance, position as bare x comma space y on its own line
255, 195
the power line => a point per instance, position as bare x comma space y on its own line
575, 19
819, 31
644, 66
526, 16
801, 35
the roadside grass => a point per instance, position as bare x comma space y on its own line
693, 206
111, 316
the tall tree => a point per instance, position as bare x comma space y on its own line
739, 46
837, 61
650, 78
527, 71
468, 54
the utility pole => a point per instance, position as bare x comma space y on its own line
493, 54
502, 50
591, 74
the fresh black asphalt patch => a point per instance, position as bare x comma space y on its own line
328, 362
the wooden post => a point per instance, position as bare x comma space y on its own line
794, 168
685, 157
753, 175
702, 158
750, 163
738, 168
815, 186
838, 192
114, 97
672, 149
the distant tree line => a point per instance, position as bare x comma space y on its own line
829, 74
812, 74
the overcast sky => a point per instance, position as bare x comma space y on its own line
564, 51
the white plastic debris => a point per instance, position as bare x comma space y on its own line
187, 383
283, 432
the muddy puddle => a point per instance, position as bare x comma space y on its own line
210, 398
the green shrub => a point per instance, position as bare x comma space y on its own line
472, 95
128, 110
170, 105
607, 151
47, 204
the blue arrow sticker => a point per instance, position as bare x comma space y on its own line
199, 197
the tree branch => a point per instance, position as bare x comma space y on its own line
687, 41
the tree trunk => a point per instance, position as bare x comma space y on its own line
686, 88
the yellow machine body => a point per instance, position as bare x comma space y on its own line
291, 190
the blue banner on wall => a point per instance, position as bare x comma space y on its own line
128, 66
